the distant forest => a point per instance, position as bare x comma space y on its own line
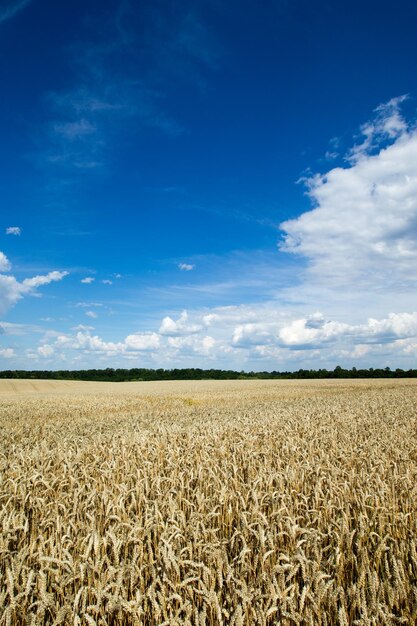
136, 374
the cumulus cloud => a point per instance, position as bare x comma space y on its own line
144, 344
91, 314
246, 335
11, 290
316, 331
88, 280
5, 265
363, 229
387, 124
360, 351
107, 282
46, 350
89, 343
38, 281
83, 340
186, 267
7, 353
210, 318
278, 342
395, 326
178, 327
13, 230
279, 333
277, 330
303, 333
143, 341
191, 345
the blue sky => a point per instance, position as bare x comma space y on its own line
209, 184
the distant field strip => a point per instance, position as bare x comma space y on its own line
233, 503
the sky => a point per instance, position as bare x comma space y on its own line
208, 184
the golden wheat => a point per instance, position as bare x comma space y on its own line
231, 503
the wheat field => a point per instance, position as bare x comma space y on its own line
207, 503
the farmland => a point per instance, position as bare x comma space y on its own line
208, 502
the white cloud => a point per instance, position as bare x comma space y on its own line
408, 347
46, 350
38, 281
360, 351
143, 341
107, 282
208, 343
311, 331
88, 280
191, 345
13, 230
210, 318
178, 327
83, 340
246, 335
91, 314
7, 353
394, 326
362, 232
388, 123
147, 345
5, 265
186, 267
89, 343
315, 330
11, 290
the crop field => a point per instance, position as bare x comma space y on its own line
207, 503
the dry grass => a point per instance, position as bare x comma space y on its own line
234, 503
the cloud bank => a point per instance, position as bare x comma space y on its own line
274, 341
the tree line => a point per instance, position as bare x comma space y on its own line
194, 373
